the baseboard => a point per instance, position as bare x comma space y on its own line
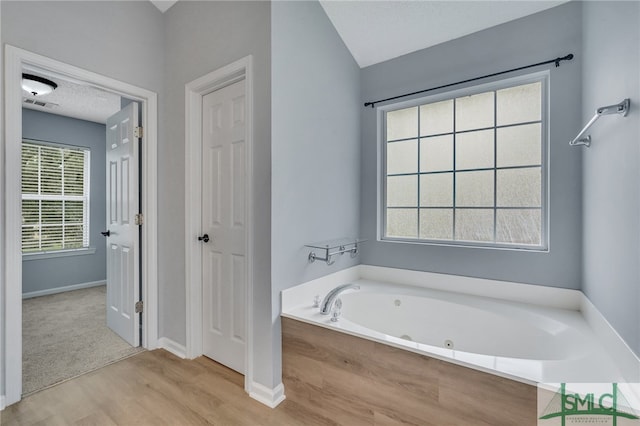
269, 397
2, 406
62, 289
626, 360
170, 346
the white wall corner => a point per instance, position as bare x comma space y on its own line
269, 397
171, 346
2, 406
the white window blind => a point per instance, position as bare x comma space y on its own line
55, 197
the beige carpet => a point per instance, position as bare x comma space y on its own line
65, 335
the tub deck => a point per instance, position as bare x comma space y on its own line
587, 360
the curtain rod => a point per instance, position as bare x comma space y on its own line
550, 61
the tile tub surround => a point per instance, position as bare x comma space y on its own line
607, 355
349, 380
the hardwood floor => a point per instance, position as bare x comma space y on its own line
153, 388
335, 383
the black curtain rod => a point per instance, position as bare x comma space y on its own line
550, 61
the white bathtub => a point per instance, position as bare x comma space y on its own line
527, 342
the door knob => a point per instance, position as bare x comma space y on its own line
204, 238
106, 233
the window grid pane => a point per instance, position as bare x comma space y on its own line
489, 160
55, 196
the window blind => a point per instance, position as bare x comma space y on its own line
55, 197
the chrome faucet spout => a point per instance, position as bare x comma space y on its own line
327, 304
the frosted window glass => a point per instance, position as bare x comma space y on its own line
474, 112
402, 157
436, 224
519, 146
474, 189
402, 191
402, 124
468, 168
436, 118
519, 104
436, 153
518, 226
402, 223
519, 187
474, 224
474, 150
436, 190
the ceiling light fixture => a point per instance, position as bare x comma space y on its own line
37, 85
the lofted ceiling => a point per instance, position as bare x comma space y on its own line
163, 5
373, 30
376, 31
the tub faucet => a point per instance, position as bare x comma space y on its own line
330, 298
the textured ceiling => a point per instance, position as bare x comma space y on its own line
73, 99
376, 31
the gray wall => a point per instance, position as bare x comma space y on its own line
611, 166
546, 35
201, 37
46, 274
116, 39
315, 112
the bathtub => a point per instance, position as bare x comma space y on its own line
526, 333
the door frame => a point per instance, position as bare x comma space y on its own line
195, 90
11, 285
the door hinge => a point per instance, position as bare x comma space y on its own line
139, 306
138, 132
139, 218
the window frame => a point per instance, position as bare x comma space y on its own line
544, 78
86, 198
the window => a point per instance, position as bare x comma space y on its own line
55, 197
468, 169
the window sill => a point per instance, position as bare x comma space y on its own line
467, 244
59, 253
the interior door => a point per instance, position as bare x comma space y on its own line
122, 233
223, 226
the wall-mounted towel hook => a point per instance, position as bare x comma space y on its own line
621, 108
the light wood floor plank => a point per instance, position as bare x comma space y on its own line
339, 388
154, 388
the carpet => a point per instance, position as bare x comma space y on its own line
65, 335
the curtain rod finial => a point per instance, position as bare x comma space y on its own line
565, 58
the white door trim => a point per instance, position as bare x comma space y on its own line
11, 284
194, 92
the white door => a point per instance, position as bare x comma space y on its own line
223, 222
122, 233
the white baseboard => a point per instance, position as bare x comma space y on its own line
62, 289
175, 348
269, 397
